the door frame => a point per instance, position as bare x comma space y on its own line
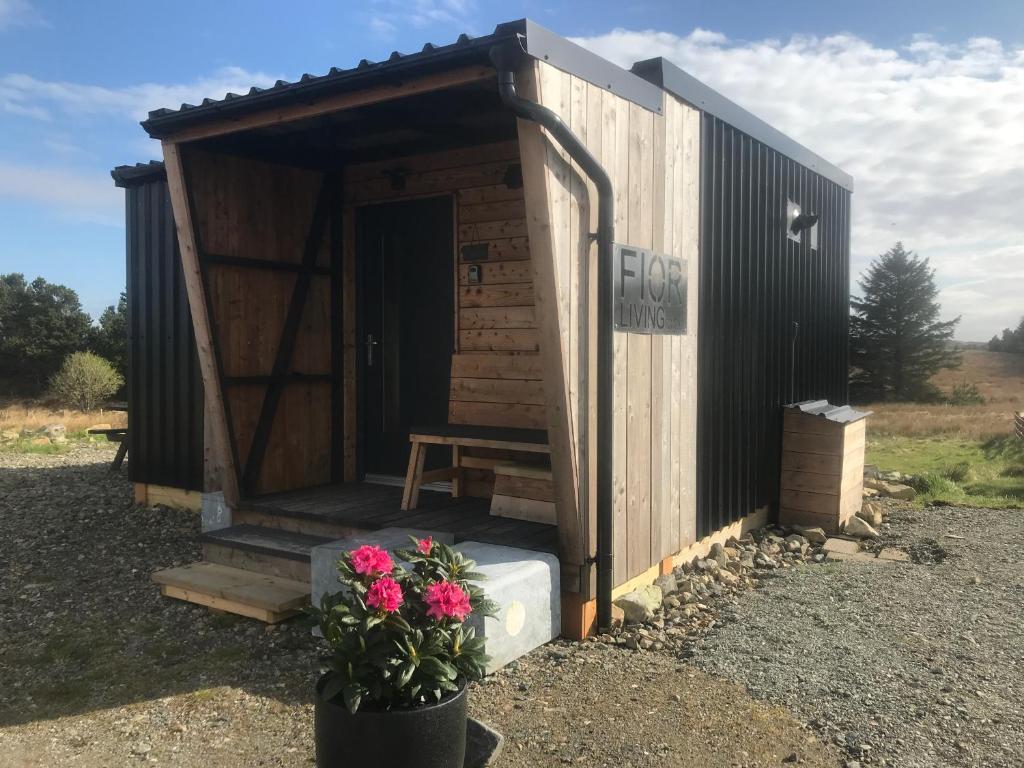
360, 308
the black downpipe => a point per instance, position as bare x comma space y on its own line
505, 59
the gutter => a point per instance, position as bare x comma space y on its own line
506, 59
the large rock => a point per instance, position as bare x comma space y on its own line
666, 583
814, 534
56, 432
718, 554
855, 526
871, 513
844, 546
640, 604
897, 491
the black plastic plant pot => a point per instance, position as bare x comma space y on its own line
431, 736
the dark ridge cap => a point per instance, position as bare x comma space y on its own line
140, 173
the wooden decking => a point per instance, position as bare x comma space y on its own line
370, 506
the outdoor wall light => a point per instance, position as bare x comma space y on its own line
803, 221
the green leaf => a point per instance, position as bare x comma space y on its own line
333, 687
352, 695
405, 674
434, 667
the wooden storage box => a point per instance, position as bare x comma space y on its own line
822, 482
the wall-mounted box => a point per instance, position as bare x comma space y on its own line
822, 481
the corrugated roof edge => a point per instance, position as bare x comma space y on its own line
140, 173
162, 122
537, 41
841, 414
667, 75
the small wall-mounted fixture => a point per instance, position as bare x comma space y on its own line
397, 178
803, 221
797, 221
513, 178
473, 274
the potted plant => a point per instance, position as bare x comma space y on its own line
400, 658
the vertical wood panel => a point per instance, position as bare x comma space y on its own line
545, 180
653, 163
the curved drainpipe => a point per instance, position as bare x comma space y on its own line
506, 59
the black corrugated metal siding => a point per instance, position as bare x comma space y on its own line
754, 284
165, 389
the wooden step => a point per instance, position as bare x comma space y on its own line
264, 550
258, 596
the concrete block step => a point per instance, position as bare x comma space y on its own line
527, 588
234, 590
270, 551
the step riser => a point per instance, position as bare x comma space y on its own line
294, 524
257, 562
227, 606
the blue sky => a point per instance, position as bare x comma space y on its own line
884, 87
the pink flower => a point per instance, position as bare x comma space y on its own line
446, 600
385, 594
424, 546
368, 560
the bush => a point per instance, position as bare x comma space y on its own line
965, 394
84, 381
935, 484
958, 473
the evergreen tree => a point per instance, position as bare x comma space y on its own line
1012, 340
41, 323
897, 342
110, 338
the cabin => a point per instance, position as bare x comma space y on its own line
502, 290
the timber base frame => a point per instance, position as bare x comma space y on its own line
460, 436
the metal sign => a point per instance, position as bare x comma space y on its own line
650, 291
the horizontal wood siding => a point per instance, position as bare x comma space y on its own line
822, 478
495, 375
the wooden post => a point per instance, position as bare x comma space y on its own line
220, 457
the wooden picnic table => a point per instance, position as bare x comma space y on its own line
115, 434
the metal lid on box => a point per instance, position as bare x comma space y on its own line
840, 414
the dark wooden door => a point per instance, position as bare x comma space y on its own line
405, 253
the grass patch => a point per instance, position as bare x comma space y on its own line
969, 472
25, 445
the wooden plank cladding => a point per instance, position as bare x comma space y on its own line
653, 161
247, 213
495, 377
822, 477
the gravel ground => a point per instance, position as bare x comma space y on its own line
916, 664
99, 670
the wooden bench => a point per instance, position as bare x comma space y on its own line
459, 437
115, 435
524, 492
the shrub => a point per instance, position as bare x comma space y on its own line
965, 394
396, 636
935, 484
958, 473
84, 381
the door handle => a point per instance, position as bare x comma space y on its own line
370, 344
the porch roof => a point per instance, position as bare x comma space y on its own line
535, 40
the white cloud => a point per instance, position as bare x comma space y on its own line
28, 96
933, 134
385, 17
85, 196
19, 13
